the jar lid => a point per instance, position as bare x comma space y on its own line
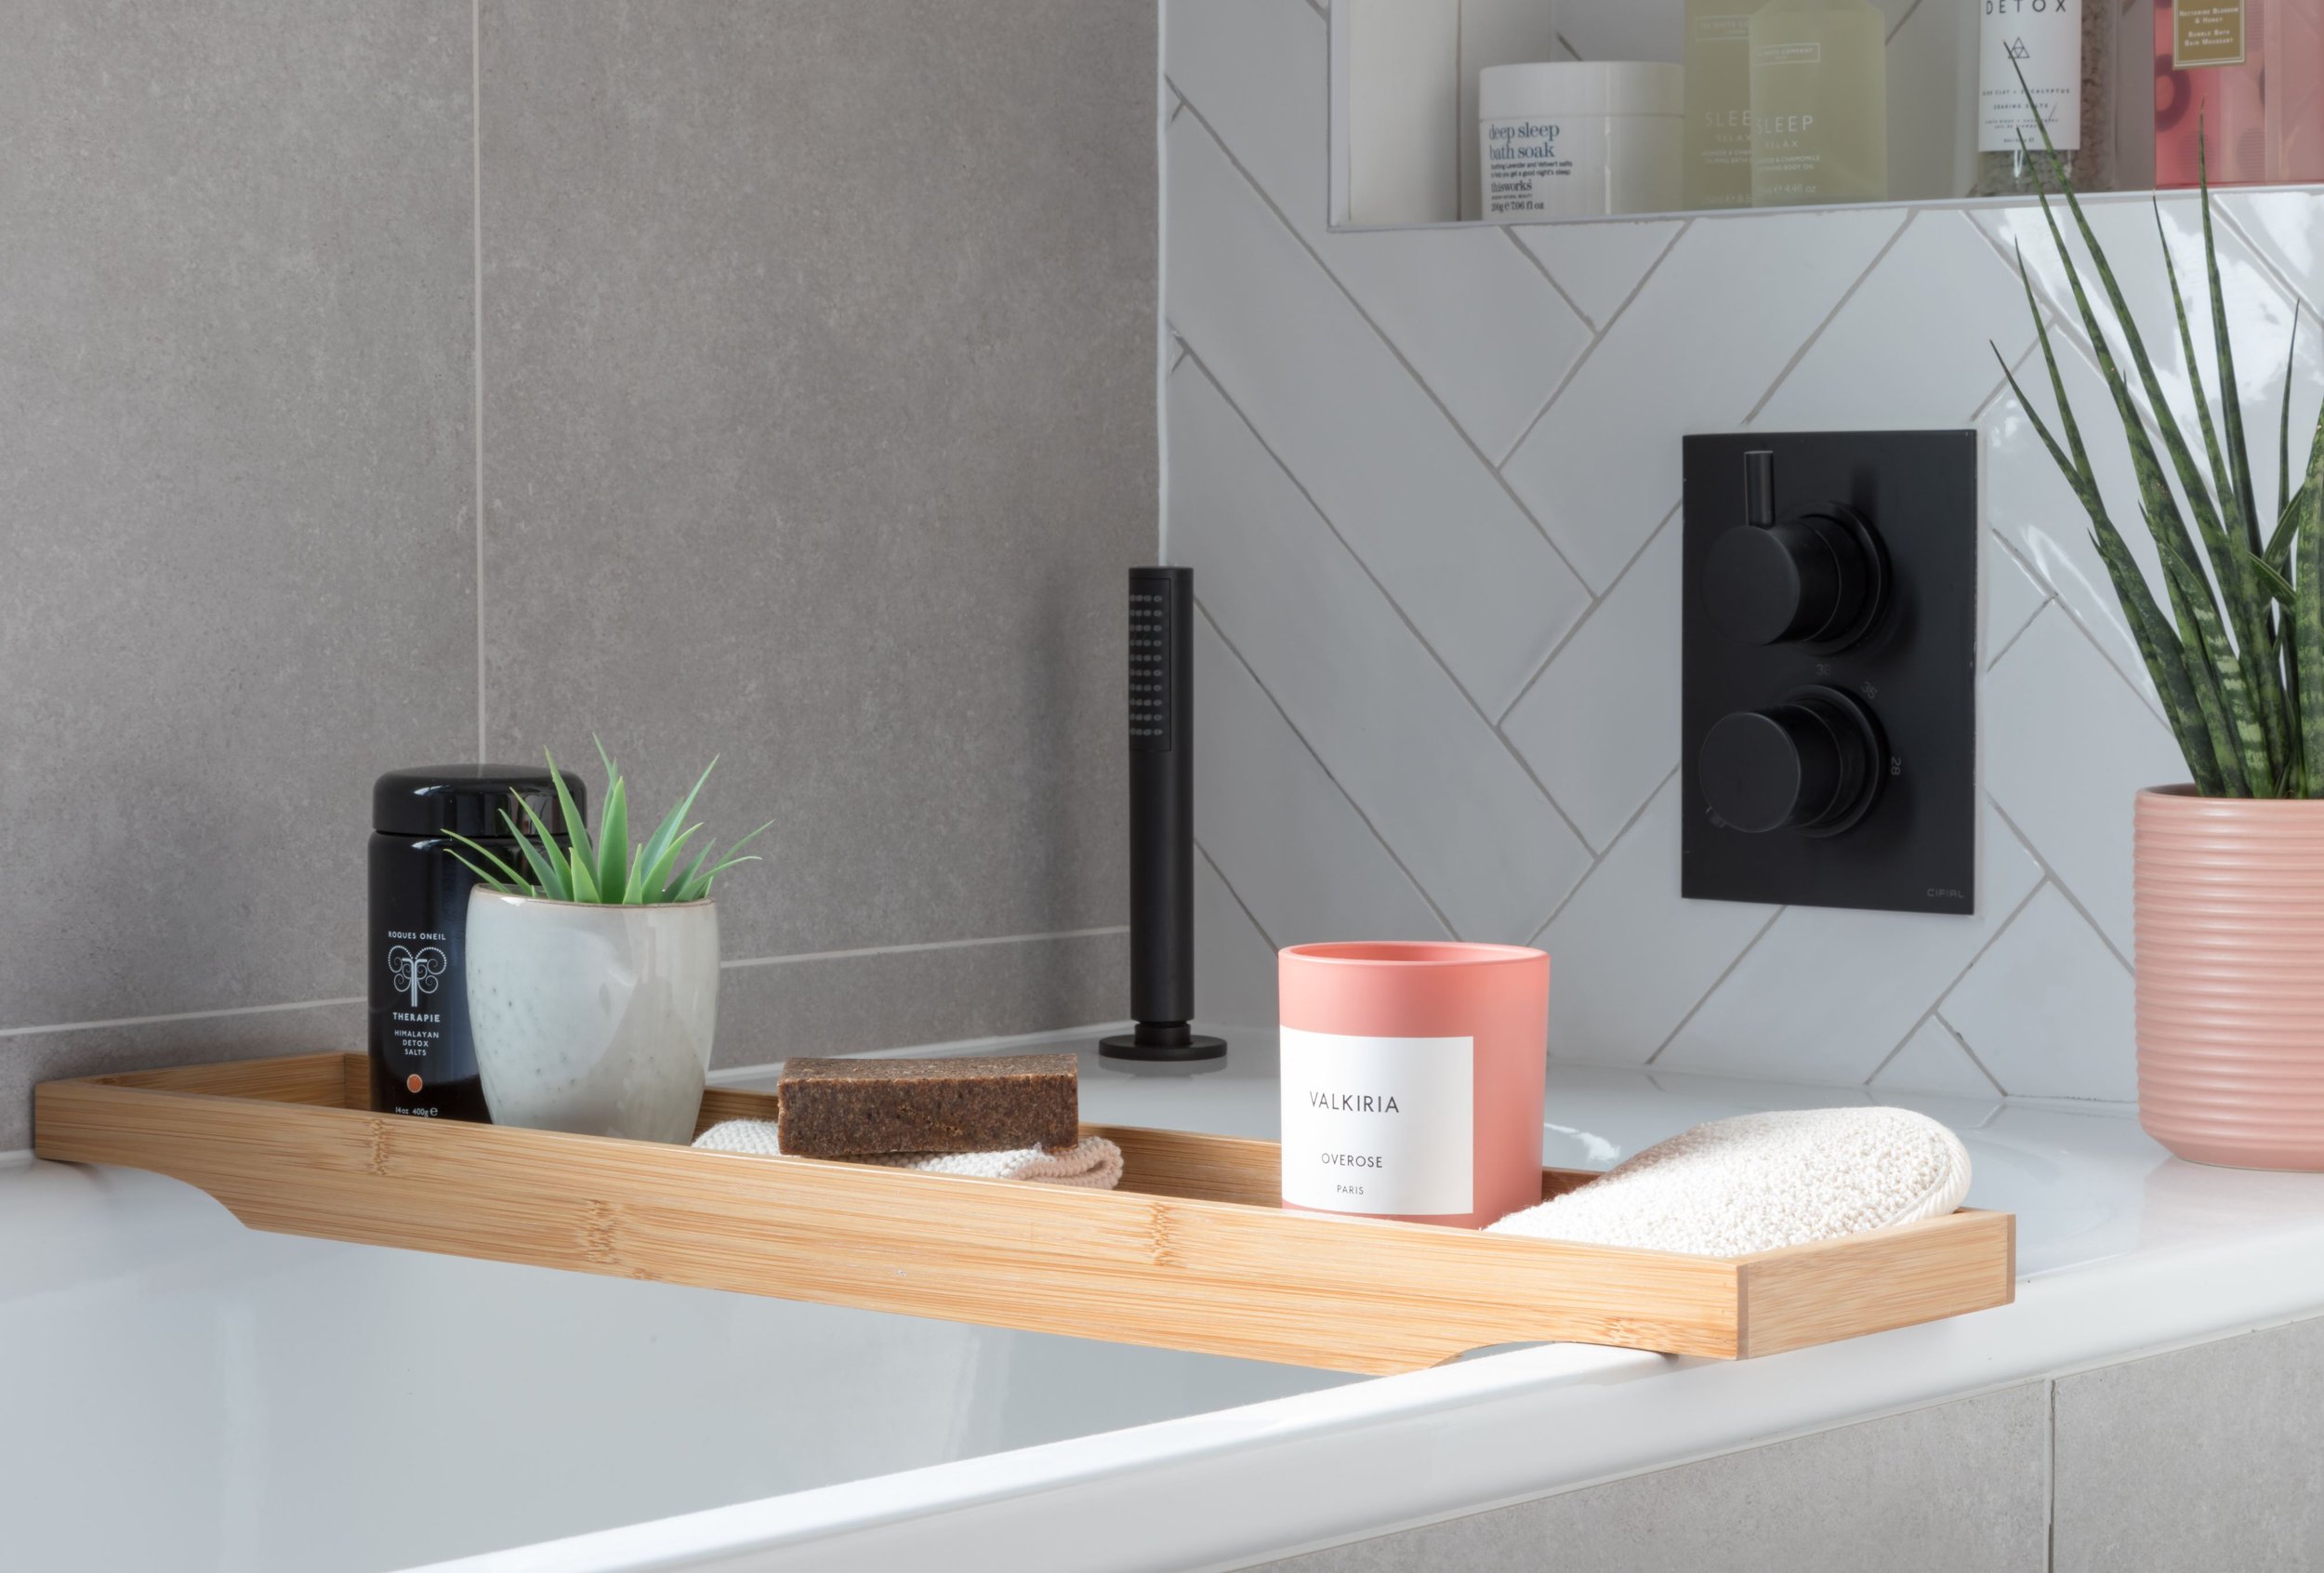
1579, 87
430, 799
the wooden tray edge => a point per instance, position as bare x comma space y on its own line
1343, 1293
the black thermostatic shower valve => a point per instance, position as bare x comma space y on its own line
1830, 669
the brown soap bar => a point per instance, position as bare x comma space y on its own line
854, 1108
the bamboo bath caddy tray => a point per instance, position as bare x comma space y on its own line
1192, 1252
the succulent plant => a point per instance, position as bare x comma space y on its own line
608, 871
2242, 685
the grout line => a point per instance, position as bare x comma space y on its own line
1893, 31
2153, 705
1591, 348
2050, 1457
1393, 605
2001, 543
2065, 319
1716, 984
1628, 825
1252, 917
179, 1016
925, 945
1937, 1013
1458, 431
1595, 606
1338, 785
2054, 878
1542, 268
1970, 966
1830, 317
1890, 1058
476, 414
1992, 397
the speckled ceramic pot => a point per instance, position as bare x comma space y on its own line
593, 1019
2230, 914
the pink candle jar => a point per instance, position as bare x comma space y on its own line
1412, 1079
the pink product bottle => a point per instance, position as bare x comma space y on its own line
2250, 75
2294, 90
1412, 1079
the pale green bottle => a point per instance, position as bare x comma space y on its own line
1819, 103
1717, 142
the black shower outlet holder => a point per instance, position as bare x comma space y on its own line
1912, 673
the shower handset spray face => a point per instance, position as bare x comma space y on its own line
1162, 823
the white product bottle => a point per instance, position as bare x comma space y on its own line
2065, 50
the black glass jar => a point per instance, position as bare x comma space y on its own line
422, 1059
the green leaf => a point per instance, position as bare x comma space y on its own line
692, 879
661, 846
487, 880
505, 873
2159, 644
2220, 479
702, 891
502, 877
556, 879
2279, 553
2166, 663
2272, 582
653, 882
584, 881
2256, 630
727, 863
2236, 583
2230, 398
583, 855
546, 872
2219, 686
2308, 610
613, 834
2283, 433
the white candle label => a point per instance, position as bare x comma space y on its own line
1380, 1125
2043, 39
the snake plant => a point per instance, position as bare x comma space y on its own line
608, 871
2242, 645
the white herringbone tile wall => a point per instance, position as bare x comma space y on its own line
1427, 481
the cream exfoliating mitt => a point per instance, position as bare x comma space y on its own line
1763, 1180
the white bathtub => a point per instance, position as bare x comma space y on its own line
182, 1392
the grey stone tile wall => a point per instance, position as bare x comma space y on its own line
2206, 1458
1961, 1487
816, 429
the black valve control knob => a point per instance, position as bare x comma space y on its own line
1814, 578
1812, 763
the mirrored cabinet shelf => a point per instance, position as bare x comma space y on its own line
1528, 112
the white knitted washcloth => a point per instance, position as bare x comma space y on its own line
1091, 1164
1763, 1180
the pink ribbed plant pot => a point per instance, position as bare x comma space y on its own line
2230, 914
